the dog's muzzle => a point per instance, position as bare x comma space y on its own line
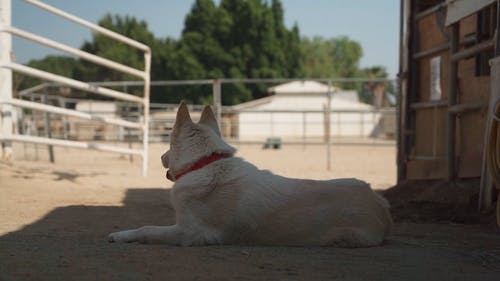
170, 177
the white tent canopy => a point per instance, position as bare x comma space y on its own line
301, 88
256, 119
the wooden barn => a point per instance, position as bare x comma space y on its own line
449, 79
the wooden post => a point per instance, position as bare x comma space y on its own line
34, 127
48, 128
404, 57
362, 125
145, 105
412, 74
6, 122
328, 110
216, 88
272, 123
64, 119
497, 44
452, 100
127, 130
303, 131
486, 184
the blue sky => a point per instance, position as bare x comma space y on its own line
374, 24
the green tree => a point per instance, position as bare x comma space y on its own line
106, 47
234, 39
368, 89
61, 65
328, 58
240, 39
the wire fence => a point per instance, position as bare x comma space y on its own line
347, 112
291, 118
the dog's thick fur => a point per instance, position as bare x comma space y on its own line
230, 201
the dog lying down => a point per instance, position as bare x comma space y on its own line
221, 199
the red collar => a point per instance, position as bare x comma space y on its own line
199, 164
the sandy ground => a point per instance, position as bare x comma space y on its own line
54, 219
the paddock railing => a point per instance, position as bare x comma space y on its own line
239, 126
7, 102
368, 120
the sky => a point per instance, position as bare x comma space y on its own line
374, 24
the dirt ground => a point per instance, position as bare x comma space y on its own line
54, 220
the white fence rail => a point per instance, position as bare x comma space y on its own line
347, 126
7, 101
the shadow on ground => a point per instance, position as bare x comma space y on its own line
70, 243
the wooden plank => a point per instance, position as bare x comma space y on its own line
474, 50
428, 104
487, 180
425, 80
468, 25
452, 100
469, 164
466, 69
468, 107
471, 125
470, 145
474, 89
432, 51
430, 132
429, 33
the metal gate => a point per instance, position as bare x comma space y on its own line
7, 101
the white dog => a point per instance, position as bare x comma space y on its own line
221, 199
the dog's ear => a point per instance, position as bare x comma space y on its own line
208, 118
183, 116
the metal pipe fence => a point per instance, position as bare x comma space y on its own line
8, 134
292, 126
375, 126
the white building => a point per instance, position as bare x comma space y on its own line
297, 110
94, 129
99, 108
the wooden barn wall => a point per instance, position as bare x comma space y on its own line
427, 156
470, 125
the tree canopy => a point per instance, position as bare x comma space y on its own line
232, 39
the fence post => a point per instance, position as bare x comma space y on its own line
145, 129
48, 127
127, 130
271, 123
5, 78
328, 110
303, 131
362, 115
216, 88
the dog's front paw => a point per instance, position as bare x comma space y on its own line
126, 236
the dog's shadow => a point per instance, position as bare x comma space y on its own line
141, 206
